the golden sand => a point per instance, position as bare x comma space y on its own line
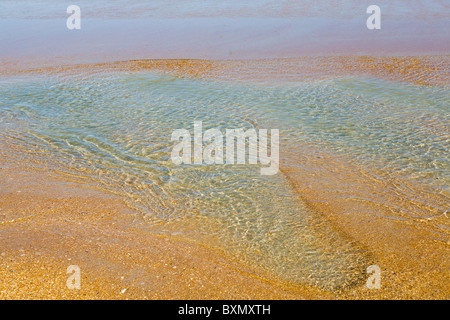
400, 231
48, 222
427, 70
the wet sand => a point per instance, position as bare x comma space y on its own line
48, 222
427, 70
397, 221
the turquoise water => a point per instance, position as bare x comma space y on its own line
114, 131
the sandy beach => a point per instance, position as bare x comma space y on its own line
85, 176
58, 227
49, 222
